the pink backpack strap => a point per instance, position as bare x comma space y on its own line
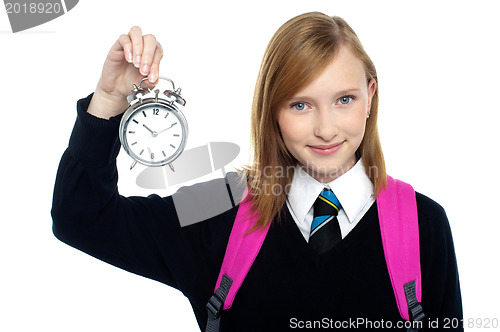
398, 217
241, 251
397, 211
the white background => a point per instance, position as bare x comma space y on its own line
439, 113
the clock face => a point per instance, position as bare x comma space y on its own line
155, 134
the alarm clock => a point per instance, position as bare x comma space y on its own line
153, 130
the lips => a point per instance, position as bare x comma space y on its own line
326, 149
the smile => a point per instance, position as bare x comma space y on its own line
326, 149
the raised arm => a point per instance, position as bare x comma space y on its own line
88, 212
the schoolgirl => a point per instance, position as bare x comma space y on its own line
314, 112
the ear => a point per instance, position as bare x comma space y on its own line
372, 87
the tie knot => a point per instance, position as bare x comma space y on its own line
326, 204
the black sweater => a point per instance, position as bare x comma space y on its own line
288, 285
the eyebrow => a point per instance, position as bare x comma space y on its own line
344, 92
338, 93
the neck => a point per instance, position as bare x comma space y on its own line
327, 177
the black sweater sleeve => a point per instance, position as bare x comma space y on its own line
139, 234
441, 296
88, 212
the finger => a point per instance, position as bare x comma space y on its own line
135, 35
126, 45
148, 52
154, 73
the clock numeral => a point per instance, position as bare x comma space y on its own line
152, 156
144, 113
134, 143
176, 135
172, 146
135, 121
166, 115
156, 111
141, 152
131, 132
164, 155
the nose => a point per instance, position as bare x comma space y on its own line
324, 124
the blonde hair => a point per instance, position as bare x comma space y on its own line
297, 53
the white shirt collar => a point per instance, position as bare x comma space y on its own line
353, 189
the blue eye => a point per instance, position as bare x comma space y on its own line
345, 100
299, 106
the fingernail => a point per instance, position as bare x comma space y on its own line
129, 57
137, 62
152, 77
145, 70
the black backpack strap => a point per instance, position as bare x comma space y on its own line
215, 304
414, 307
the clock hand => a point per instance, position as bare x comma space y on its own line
161, 131
154, 133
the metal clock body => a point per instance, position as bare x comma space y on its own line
153, 130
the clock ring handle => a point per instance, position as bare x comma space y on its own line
175, 93
161, 77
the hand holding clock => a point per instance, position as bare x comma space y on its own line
132, 57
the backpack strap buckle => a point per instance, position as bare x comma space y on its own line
214, 306
216, 301
414, 307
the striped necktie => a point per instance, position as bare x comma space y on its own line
325, 229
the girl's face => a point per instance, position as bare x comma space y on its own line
323, 124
